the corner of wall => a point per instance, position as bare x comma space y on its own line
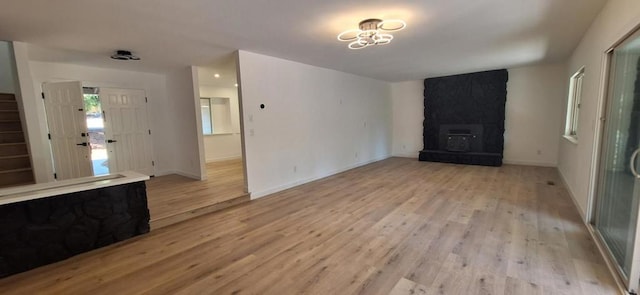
33, 108
195, 80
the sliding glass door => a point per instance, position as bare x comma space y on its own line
618, 191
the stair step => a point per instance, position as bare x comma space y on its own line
8, 105
15, 170
14, 162
11, 115
14, 156
10, 126
16, 177
7, 96
11, 137
12, 149
193, 213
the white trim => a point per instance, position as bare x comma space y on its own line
601, 248
163, 173
224, 159
571, 139
245, 171
598, 135
407, 155
200, 139
189, 175
181, 173
218, 134
50, 189
573, 103
572, 196
529, 163
263, 193
610, 264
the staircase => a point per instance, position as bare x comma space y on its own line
15, 163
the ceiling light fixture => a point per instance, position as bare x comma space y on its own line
124, 55
371, 32
216, 75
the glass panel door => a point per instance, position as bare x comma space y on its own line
619, 188
95, 127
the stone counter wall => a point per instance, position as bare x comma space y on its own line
38, 232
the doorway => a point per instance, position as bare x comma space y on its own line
96, 131
222, 183
618, 190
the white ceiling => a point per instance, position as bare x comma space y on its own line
225, 68
442, 37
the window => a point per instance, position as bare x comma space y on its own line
573, 107
216, 115
205, 110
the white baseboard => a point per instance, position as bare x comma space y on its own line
406, 155
601, 248
163, 173
263, 193
529, 163
181, 173
224, 159
573, 197
189, 175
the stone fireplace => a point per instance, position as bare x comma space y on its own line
464, 118
461, 138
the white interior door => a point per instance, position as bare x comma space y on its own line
127, 130
67, 123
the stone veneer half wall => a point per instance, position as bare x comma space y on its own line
42, 231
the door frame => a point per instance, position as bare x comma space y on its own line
109, 130
598, 138
597, 158
46, 99
146, 91
603, 96
196, 101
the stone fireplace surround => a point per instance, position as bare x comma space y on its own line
464, 118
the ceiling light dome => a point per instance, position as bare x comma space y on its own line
124, 55
371, 32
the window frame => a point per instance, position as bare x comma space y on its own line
576, 83
204, 130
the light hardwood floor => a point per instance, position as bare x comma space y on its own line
174, 198
396, 226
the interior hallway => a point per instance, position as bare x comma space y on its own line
394, 226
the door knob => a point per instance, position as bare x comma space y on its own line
82, 144
633, 163
111, 141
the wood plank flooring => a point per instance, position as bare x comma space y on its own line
174, 198
397, 226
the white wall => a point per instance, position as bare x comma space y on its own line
617, 18
32, 113
408, 116
184, 106
8, 79
535, 107
223, 146
316, 122
152, 84
535, 98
